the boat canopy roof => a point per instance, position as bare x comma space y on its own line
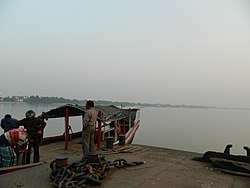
108, 112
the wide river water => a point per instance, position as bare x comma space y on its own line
189, 129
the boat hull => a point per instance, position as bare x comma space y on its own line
17, 168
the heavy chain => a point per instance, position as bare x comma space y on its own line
81, 174
121, 163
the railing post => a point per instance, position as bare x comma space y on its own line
129, 119
42, 118
99, 133
66, 128
124, 127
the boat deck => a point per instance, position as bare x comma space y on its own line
163, 168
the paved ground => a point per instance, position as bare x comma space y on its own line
163, 168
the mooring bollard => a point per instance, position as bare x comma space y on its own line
122, 140
109, 142
92, 157
61, 161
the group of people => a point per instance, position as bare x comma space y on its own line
18, 134
27, 132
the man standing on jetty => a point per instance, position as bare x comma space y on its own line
34, 128
88, 129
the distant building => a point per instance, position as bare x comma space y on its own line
1, 96
18, 99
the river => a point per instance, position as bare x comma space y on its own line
189, 129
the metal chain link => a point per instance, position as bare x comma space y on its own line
81, 174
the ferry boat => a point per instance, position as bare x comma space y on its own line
112, 122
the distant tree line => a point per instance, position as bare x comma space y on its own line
50, 100
10, 99
38, 99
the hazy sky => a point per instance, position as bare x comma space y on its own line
156, 51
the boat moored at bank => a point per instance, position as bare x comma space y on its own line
117, 123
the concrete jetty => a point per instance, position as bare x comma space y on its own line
163, 168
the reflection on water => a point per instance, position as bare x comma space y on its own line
196, 130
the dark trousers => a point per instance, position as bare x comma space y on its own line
35, 145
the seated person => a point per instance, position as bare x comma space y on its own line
10, 140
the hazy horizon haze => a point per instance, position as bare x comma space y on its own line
164, 51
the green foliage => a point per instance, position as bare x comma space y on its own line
9, 99
49, 100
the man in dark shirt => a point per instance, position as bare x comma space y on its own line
34, 128
8, 123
